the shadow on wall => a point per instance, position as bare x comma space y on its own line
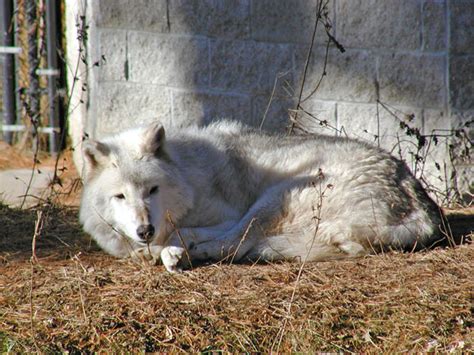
194, 61
187, 62
190, 62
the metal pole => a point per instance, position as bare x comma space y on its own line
52, 60
33, 92
9, 103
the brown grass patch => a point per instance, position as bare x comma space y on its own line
75, 298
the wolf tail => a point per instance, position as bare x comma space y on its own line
425, 227
418, 231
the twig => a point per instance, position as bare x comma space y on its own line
32, 316
317, 218
122, 235
278, 77
323, 123
323, 74
168, 217
308, 57
81, 297
244, 236
38, 228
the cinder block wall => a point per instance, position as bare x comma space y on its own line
193, 61
1, 90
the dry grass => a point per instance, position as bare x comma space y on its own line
72, 297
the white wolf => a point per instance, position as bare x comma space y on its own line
230, 191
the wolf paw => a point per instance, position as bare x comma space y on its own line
171, 257
150, 254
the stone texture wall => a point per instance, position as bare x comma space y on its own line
193, 61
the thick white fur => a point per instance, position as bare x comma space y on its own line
229, 191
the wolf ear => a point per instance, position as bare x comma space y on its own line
95, 153
153, 139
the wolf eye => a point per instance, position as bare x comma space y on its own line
153, 190
120, 196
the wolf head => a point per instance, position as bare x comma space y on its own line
131, 184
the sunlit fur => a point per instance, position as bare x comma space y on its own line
229, 191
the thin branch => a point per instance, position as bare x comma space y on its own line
308, 57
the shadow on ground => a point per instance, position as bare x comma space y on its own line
58, 233
461, 224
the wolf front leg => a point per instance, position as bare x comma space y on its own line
187, 237
172, 257
245, 234
177, 254
149, 253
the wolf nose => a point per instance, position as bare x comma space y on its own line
146, 231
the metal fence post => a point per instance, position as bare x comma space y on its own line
52, 60
33, 92
9, 103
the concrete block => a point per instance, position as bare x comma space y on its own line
413, 80
462, 26
272, 113
461, 82
379, 24
248, 66
112, 46
223, 18
350, 75
1, 85
125, 105
465, 182
463, 135
276, 115
380, 127
287, 21
434, 26
168, 60
402, 142
463, 120
144, 15
435, 121
436, 165
111, 13
358, 121
398, 127
318, 117
201, 108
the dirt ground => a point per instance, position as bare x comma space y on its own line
59, 292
